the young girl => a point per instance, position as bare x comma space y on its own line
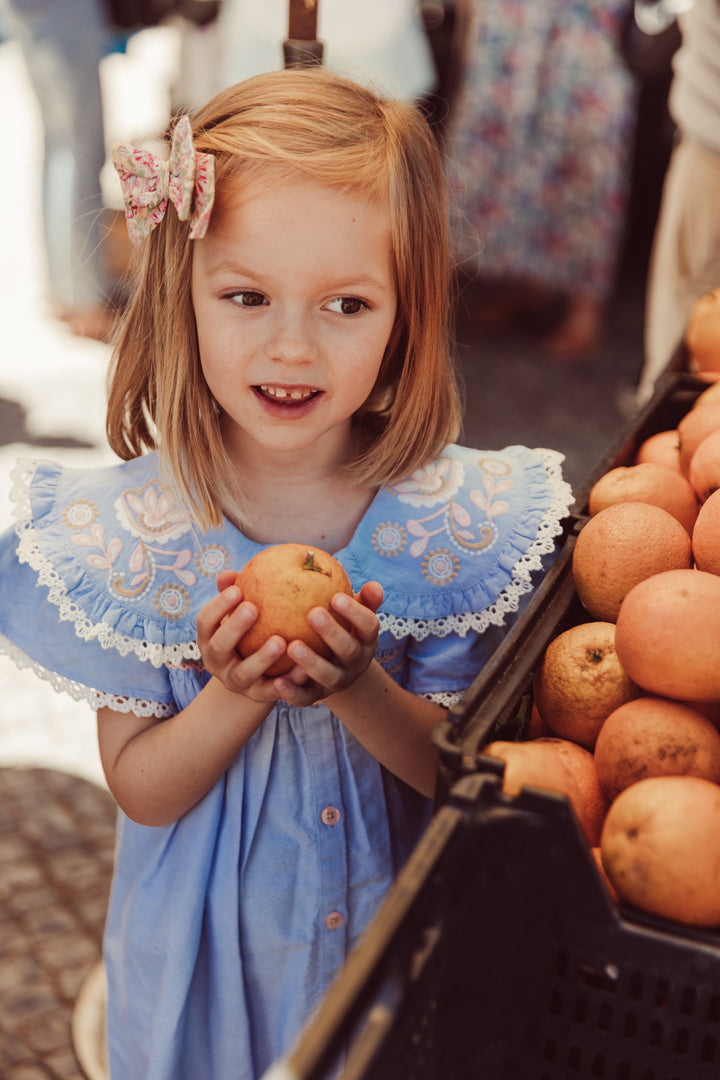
283, 374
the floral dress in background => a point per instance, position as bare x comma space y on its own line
540, 142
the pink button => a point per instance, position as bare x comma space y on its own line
334, 920
330, 815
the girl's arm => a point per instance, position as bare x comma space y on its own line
158, 769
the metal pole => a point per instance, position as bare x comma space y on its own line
302, 48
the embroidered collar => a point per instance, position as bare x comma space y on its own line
454, 546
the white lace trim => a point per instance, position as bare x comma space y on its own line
107, 637
97, 699
447, 698
543, 544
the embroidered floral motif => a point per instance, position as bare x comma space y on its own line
152, 514
440, 566
212, 560
80, 513
441, 483
389, 539
172, 600
495, 467
432, 484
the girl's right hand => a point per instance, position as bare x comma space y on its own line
221, 624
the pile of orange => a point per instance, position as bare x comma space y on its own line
626, 713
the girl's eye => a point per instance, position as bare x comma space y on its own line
248, 298
346, 305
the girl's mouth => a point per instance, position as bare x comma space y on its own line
286, 394
286, 400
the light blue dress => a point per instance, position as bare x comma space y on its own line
225, 928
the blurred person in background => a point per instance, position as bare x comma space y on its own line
685, 262
374, 42
540, 144
63, 42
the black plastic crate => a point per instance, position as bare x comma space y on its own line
498, 955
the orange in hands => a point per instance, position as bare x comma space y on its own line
284, 582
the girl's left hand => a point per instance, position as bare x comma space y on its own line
314, 677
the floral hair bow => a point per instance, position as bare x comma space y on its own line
187, 178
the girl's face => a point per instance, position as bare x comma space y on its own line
294, 296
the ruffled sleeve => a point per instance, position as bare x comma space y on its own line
462, 540
458, 548
81, 606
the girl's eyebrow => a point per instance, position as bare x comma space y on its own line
347, 281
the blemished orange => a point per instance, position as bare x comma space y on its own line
662, 448
702, 332
580, 681
647, 482
695, 426
705, 466
667, 635
622, 545
285, 581
580, 763
659, 848
706, 535
654, 736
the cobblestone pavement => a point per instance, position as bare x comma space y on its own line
56, 852
56, 816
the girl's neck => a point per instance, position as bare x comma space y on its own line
307, 504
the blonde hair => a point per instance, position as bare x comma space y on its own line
316, 124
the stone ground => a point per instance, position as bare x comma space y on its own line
56, 816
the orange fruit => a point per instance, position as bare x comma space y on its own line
622, 545
285, 581
667, 635
536, 765
711, 393
647, 482
536, 726
580, 763
702, 333
659, 846
655, 737
662, 448
704, 472
695, 426
597, 856
706, 535
579, 682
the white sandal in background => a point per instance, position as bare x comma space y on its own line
88, 1025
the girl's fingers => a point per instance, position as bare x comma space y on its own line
371, 595
215, 611
225, 579
362, 618
222, 622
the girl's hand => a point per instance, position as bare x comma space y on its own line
221, 624
224, 621
353, 650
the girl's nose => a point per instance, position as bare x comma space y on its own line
292, 339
